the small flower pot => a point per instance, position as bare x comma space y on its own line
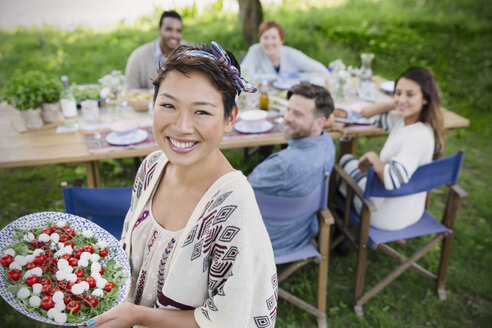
50, 112
32, 118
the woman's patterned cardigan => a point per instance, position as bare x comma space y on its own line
223, 265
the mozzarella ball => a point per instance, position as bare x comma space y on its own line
84, 285
23, 293
61, 275
44, 238
61, 317
83, 263
36, 288
58, 297
95, 257
52, 312
9, 251
97, 292
85, 256
77, 289
71, 277
29, 237
21, 260
35, 301
14, 265
55, 237
38, 251
101, 283
37, 271
95, 267
62, 264
60, 306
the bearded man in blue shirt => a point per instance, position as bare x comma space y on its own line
298, 169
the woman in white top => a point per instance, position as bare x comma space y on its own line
270, 57
415, 138
200, 254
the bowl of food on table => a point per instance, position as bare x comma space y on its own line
139, 99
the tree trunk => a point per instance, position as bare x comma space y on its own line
250, 16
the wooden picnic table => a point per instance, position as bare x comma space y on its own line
45, 146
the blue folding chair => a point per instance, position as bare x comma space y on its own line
427, 177
284, 210
106, 207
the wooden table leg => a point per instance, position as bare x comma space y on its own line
348, 145
92, 174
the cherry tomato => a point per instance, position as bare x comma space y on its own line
109, 286
79, 279
46, 289
47, 231
69, 231
44, 281
73, 261
32, 280
103, 252
47, 303
91, 300
91, 281
6, 260
30, 265
14, 274
62, 284
89, 248
73, 307
102, 270
40, 259
69, 243
54, 290
64, 237
36, 243
68, 297
79, 273
78, 251
65, 256
69, 286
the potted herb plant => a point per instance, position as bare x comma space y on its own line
24, 90
51, 99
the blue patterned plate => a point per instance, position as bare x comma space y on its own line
37, 220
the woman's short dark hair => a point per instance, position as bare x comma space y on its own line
322, 98
218, 74
431, 111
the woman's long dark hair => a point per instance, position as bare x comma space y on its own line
431, 111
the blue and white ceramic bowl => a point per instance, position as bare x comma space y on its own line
41, 219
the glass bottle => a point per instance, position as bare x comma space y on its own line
365, 87
264, 95
68, 105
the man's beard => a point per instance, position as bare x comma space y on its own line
299, 133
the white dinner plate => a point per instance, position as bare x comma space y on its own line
124, 139
388, 86
285, 84
243, 127
37, 220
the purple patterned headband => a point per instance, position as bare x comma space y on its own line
219, 55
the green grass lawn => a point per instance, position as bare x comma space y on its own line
450, 37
